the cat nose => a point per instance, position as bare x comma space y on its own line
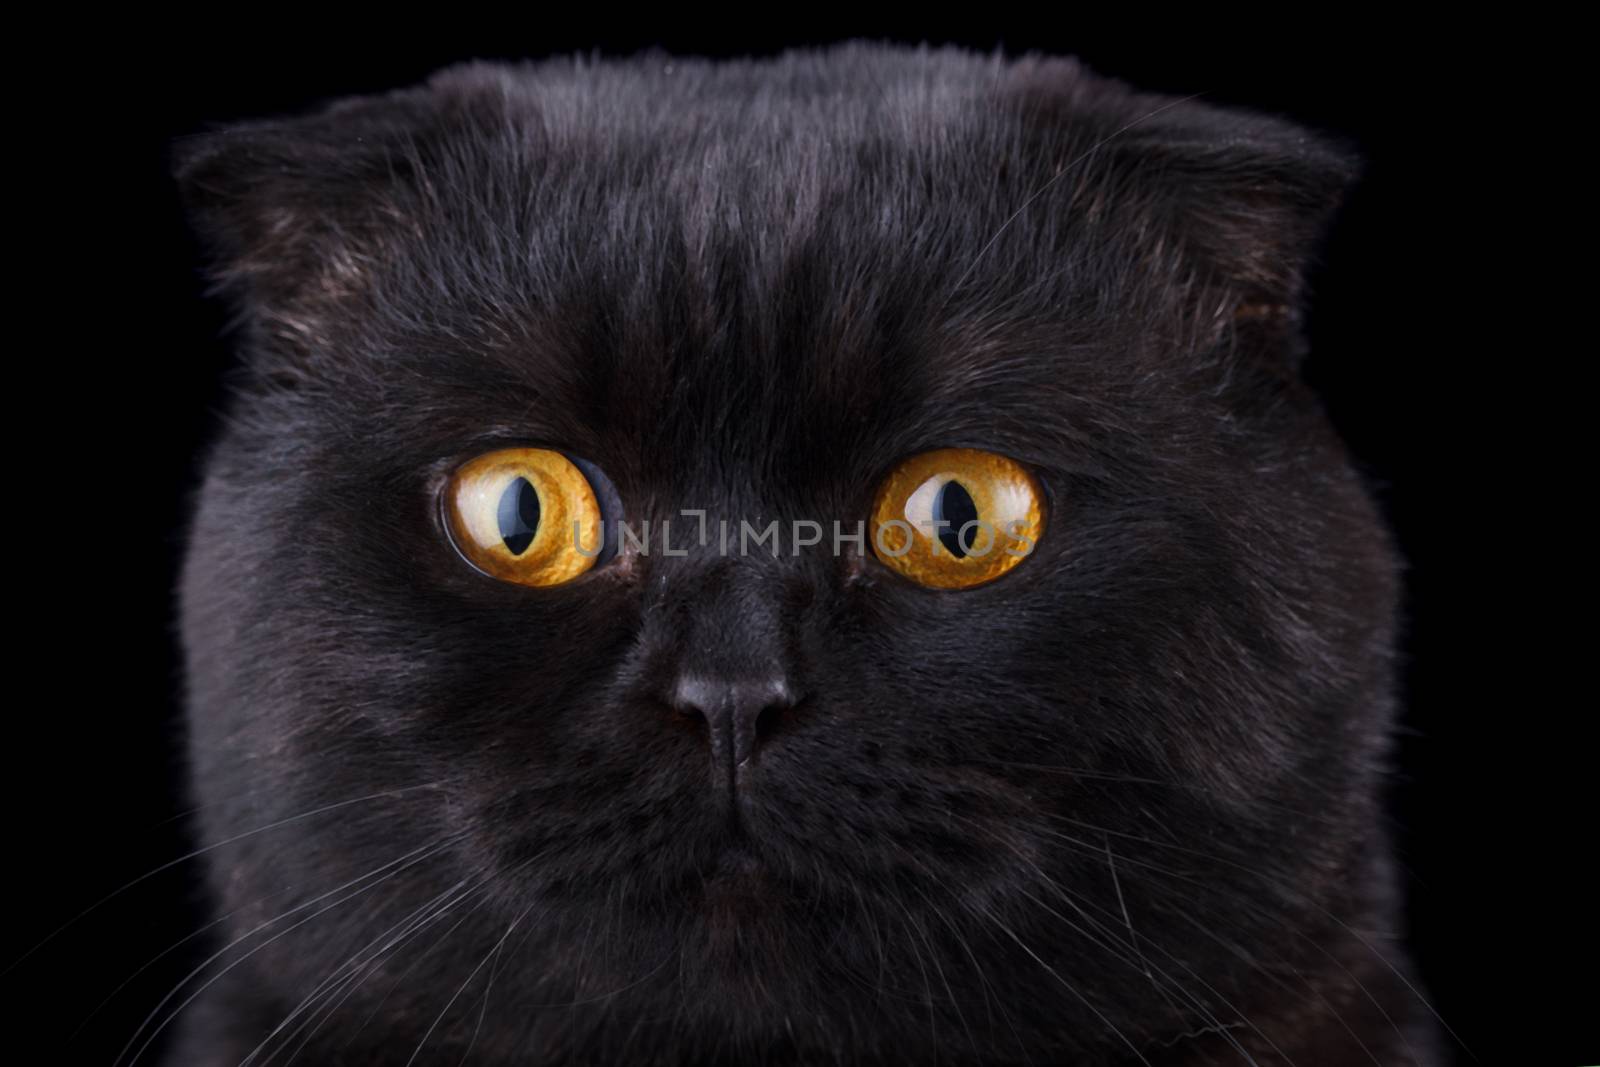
737, 714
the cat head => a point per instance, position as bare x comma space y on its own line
791, 795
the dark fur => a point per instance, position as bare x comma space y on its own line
1121, 803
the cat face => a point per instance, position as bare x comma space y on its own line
726, 802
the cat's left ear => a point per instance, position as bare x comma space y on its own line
1246, 200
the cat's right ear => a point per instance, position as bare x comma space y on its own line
292, 213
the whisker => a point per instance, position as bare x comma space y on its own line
1136, 960
109, 997
1096, 775
988, 1002
1111, 861
1068, 986
933, 1022
1310, 986
58, 931
440, 914
462, 988
1280, 884
483, 1005
407, 860
1198, 1004
599, 997
351, 967
1399, 1031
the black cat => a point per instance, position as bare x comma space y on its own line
573, 665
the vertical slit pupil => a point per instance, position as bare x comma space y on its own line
519, 515
954, 505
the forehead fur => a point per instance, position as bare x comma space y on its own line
715, 190
853, 234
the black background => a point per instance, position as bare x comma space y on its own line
1417, 340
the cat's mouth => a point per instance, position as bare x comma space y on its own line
738, 885
737, 861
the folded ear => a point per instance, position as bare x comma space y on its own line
1245, 201
292, 211
1253, 195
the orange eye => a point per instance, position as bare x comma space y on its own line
956, 517
524, 515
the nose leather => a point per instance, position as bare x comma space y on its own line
733, 710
